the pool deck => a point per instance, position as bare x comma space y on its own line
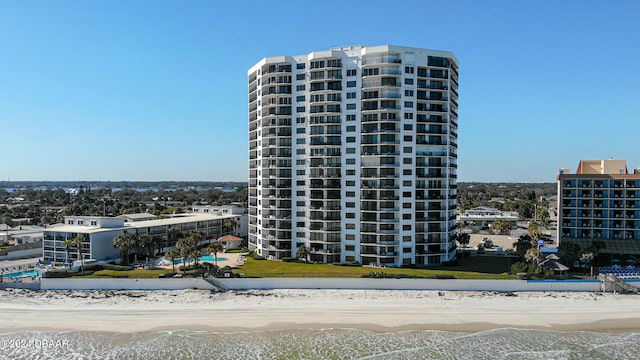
21, 264
233, 259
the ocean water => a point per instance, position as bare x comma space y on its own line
320, 344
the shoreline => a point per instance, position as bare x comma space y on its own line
380, 311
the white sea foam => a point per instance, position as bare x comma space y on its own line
326, 344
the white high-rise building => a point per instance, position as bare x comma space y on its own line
352, 154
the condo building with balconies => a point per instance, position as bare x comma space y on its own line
600, 202
353, 155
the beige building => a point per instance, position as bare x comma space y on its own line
600, 202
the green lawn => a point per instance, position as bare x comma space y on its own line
264, 268
137, 273
479, 267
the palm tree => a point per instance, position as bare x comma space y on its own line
67, 247
196, 237
125, 242
172, 255
230, 225
173, 234
186, 248
302, 252
215, 248
533, 256
158, 242
463, 239
147, 244
523, 244
77, 241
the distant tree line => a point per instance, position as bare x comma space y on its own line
520, 197
50, 206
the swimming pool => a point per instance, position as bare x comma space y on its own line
207, 258
21, 274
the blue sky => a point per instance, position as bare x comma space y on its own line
157, 90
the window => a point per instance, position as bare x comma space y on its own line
94, 223
351, 95
406, 238
333, 108
408, 104
406, 194
300, 223
406, 216
408, 138
351, 106
351, 128
300, 66
300, 109
69, 222
300, 182
351, 204
299, 151
300, 203
408, 93
300, 98
352, 72
350, 194
406, 205
408, 81
406, 227
408, 116
351, 139
300, 130
351, 161
299, 87
351, 183
300, 193
351, 172
351, 117
350, 226
351, 216
351, 150
370, 72
300, 120
406, 183
300, 77
351, 84
301, 140
406, 172
408, 69
408, 127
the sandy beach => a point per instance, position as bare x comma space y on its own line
380, 311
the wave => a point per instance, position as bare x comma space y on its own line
319, 344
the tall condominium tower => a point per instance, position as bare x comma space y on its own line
600, 202
352, 155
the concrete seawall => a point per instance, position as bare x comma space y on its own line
323, 283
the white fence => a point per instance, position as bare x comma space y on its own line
322, 283
410, 284
124, 284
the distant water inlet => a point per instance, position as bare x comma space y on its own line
205, 258
322, 344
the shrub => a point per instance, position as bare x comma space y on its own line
58, 274
115, 267
349, 263
451, 263
93, 267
